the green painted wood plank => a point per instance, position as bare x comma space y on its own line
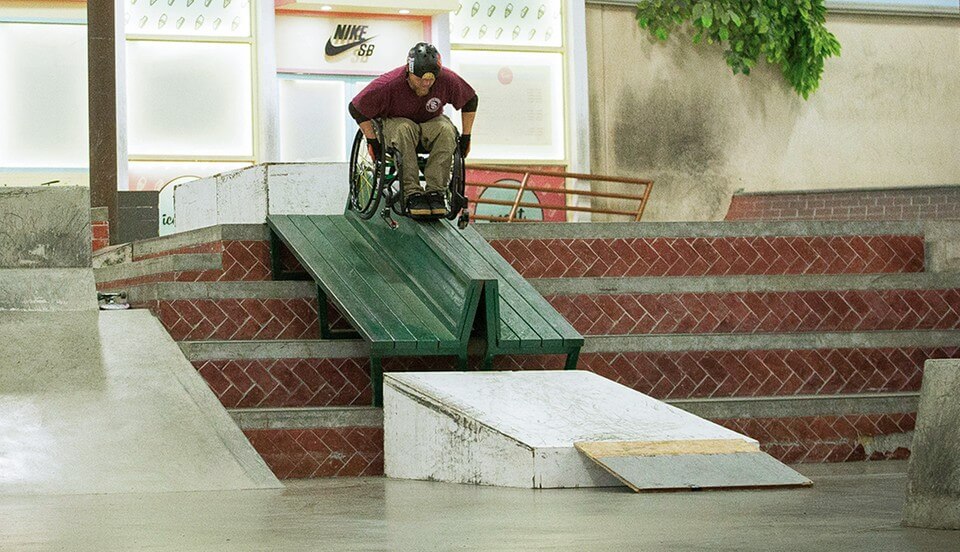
471, 306
351, 287
329, 279
441, 289
516, 315
317, 267
560, 324
452, 254
362, 276
398, 291
570, 339
512, 325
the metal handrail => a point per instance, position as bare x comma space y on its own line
516, 203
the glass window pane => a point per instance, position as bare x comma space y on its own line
311, 120
513, 23
189, 98
43, 95
521, 112
188, 18
154, 175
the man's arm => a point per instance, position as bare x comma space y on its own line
467, 115
366, 126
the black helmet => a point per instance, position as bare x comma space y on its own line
422, 59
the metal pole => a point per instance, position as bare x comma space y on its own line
516, 202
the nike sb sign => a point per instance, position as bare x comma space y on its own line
350, 37
344, 43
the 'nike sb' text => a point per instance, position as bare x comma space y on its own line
355, 34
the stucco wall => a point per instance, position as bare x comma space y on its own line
887, 113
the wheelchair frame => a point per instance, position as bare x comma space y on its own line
372, 181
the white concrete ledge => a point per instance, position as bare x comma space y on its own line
247, 196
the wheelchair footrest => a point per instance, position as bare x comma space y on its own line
427, 218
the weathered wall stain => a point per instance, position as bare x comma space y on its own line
666, 129
886, 114
45, 228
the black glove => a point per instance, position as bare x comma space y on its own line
375, 148
464, 145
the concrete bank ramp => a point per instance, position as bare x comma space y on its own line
524, 429
933, 485
105, 402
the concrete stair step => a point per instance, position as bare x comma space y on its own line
351, 348
708, 248
336, 372
124, 274
242, 253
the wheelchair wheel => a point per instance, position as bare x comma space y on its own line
366, 177
456, 190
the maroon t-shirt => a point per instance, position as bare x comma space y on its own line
391, 96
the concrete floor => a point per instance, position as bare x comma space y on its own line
848, 508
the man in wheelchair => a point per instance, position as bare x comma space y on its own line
409, 102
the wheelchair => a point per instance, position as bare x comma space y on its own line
372, 182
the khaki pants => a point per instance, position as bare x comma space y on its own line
438, 136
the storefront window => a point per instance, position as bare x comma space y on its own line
322, 63
189, 99
509, 23
199, 18
512, 52
43, 96
189, 89
523, 97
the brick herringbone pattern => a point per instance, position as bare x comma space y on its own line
101, 234
243, 261
818, 439
320, 452
761, 312
357, 451
227, 319
663, 375
288, 382
573, 258
304, 382
756, 373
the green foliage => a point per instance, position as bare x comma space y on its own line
788, 33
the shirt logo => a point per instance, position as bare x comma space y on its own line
433, 104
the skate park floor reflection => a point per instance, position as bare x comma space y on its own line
849, 507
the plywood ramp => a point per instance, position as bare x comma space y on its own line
522, 429
695, 464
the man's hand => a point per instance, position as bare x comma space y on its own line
464, 145
375, 148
